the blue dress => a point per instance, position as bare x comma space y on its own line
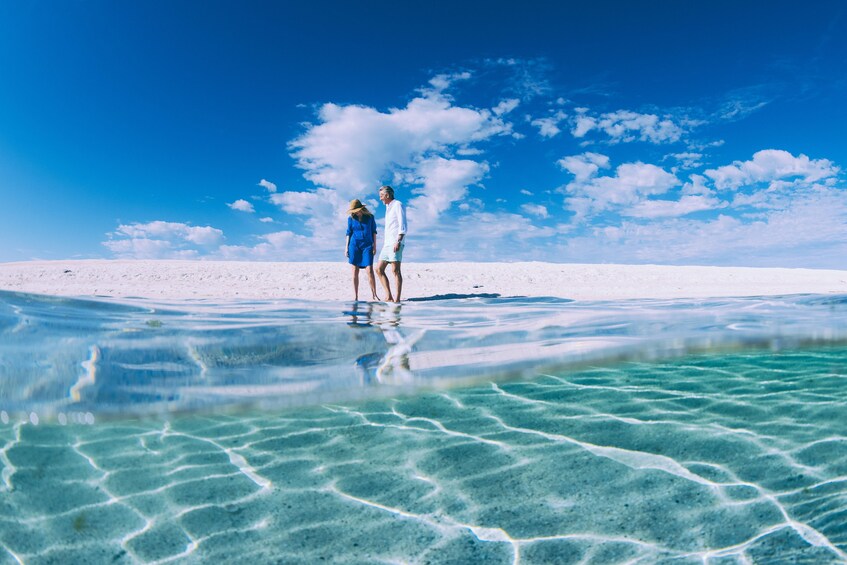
361, 240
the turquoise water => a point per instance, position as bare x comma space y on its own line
460, 430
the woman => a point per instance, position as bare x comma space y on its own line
361, 242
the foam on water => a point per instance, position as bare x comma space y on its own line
649, 431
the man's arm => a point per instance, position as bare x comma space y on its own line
400, 212
402, 218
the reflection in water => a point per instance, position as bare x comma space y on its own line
392, 366
60, 356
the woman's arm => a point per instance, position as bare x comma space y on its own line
349, 233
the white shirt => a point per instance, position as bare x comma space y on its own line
395, 222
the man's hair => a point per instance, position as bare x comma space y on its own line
387, 189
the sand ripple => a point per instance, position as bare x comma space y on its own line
711, 458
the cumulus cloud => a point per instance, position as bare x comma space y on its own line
584, 166
200, 235
549, 126
807, 233
277, 246
535, 210
428, 148
443, 182
687, 160
242, 206
793, 214
582, 123
771, 165
695, 196
266, 220
354, 147
673, 208
271, 187
626, 126
589, 193
145, 248
439, 83
321, 202
505, 106
484, 236
159, 239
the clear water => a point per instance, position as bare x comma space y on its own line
458, 430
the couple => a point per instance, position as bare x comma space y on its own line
361, 242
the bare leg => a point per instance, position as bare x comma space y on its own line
383, 278
398, 278
355, 282
372, 281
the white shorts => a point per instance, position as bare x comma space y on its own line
389, 256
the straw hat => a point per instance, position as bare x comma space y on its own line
357, 206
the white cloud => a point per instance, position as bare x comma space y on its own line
737, 109
439, 83
159, 239
354, 147
535, 210
483, 236
204, 235
697, 187
688, 160
321, 206
266, 220
631, 183
742, 102
242, 206
472, 204
271, 187
627, 126
277, 246
145, 248
582, 124
444, 181
525, 192
549, 126
807, 233
173, 231
695, 196
770, 165
673, 208
794, 215
584, 166
505, 106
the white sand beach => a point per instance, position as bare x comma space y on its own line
175, 280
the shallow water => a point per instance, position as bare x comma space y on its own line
454, 430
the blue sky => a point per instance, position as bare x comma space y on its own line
682, 133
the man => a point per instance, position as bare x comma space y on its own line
392, 249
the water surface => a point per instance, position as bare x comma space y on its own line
460, 430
